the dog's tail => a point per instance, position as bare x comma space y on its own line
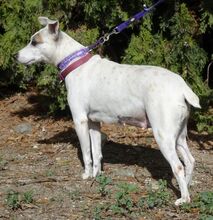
191, 97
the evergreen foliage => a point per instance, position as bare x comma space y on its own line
177, 35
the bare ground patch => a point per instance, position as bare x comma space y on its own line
45, 160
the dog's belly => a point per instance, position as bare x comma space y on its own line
141, 122
137, 122
127, 115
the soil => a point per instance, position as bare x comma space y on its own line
45, 158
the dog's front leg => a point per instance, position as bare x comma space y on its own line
95, 136
82, 130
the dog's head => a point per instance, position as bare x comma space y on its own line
42, 45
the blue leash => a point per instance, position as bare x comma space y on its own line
136, 17
62, 65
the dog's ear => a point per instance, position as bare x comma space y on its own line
53, 25
43, 20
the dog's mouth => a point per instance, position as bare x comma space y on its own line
29, 62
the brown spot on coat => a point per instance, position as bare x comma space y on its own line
180, 168
38, 38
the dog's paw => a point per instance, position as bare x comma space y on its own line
96, 173
96, 170
86, 175
180, 201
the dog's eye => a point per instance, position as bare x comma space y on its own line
34, 42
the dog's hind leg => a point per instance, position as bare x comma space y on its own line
82, 130
188, 159
95, 137
168, 148
166, 130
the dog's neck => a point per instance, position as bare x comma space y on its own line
65, 46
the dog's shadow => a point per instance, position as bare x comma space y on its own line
142, 156
116, 153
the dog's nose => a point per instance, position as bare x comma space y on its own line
15, 56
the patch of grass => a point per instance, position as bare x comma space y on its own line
27, 197
203, 204
50, 173
99, 210
103, 181
126, 201
205, 217
14, 199
155, 198
123, 200
74, 195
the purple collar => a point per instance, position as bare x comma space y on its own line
79, 53
73, 66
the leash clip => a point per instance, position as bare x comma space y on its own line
145, 8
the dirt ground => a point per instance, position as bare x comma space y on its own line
44, 157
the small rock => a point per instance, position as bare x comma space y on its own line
149, 182
35, 146
23, 128
124, 172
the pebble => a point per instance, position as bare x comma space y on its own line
35, 146
149, 182
124, 172
23, 128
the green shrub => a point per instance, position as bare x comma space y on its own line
171, 36
18, 21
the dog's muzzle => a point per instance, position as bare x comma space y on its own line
15, 56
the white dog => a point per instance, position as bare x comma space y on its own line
100, 90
